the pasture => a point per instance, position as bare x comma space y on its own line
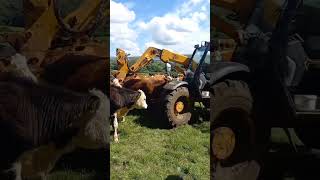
145, 151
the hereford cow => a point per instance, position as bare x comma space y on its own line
114, 81
14, 63
39, 123
123, 100
152, 86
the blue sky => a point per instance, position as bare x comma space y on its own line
171, 24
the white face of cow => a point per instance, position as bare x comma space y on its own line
141, 103
116, 82
19, 67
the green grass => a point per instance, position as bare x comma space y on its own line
146, 152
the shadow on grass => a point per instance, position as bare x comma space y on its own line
80, 161
174, 177
153, 118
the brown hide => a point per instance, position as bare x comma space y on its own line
80, 74
151, 86
92, 75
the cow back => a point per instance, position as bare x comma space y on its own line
42, 113
152, 86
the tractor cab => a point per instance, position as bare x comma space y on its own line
196, 74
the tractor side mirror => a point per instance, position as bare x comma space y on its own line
196, 46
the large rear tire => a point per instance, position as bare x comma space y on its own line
178, 107
232, 128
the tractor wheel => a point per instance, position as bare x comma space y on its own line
232, 129
178, 107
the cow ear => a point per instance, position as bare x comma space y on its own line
140, 92
94, 103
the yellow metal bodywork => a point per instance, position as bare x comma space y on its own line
122, 61
146, 58
46, 25
179, 106
243, 9
85, 14
168, 56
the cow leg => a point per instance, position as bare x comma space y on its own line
8, 175
17, 168
37, 164
124, 115
14, 173
43, 176
121, 119
115, 127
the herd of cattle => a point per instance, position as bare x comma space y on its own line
136, 92
40, 121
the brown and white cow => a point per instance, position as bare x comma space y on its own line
39, 123
122, 100
152, 86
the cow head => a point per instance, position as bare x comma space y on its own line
116, 82
141, 103
95, 133
17, 64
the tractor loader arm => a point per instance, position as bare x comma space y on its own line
44, 20
123, 66
147, 57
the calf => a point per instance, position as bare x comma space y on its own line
123, 100
39, 123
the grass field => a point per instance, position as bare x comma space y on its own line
147, 152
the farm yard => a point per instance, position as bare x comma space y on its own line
145, 151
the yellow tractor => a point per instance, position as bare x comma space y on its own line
178, 95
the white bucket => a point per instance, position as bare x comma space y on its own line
305, 102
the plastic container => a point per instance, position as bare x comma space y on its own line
305, 102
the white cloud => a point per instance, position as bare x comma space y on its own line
181, 29
119, 13
122, 36
178, 30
